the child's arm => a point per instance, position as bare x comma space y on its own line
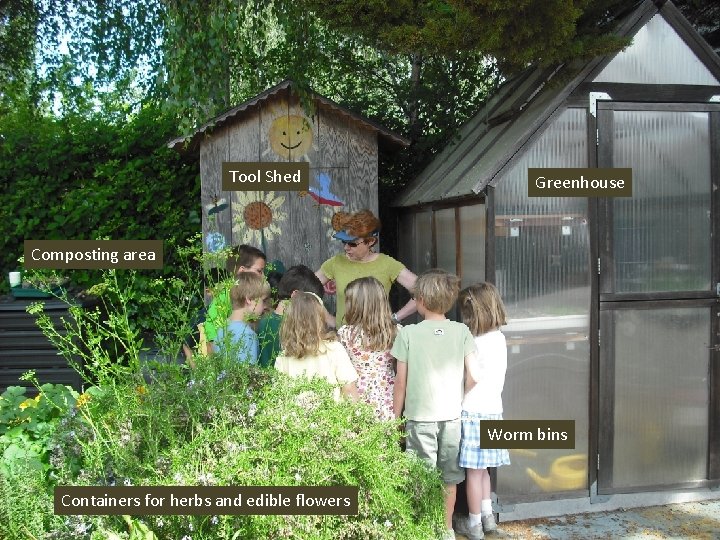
472, 370
350, 391
400, 386
344, 371
329, 318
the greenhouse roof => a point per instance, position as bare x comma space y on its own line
520, 110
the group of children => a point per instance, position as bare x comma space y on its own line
442, 377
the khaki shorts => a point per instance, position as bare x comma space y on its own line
438, 445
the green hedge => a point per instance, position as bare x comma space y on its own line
88, 177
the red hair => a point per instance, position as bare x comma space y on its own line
362, 224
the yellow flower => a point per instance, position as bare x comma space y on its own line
29, 402
141, 390
82, 400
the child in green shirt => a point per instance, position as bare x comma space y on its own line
435, 361
243, 258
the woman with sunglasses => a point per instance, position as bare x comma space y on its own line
359, 234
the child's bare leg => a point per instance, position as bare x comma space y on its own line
474, 487
450, 494
484, 484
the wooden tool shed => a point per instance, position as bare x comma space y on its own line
613, 301
340, 146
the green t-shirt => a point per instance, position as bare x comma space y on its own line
269, 337
343, 270
219, 310
435, 354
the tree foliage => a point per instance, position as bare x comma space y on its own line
17, 38
513, 33
421, 68
206, 56
704, 15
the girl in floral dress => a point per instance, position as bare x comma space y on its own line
368, 336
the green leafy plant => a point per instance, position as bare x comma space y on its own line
25, 503
227, 423
27, 424
105, 174
105, 342
27, 430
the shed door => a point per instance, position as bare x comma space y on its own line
659, 372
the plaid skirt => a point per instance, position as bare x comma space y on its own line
471, 455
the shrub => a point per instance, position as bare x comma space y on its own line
230, 424
105, 342
27, 428
27, 425
25, 503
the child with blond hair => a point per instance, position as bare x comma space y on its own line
483, 312
242, 259
297, 278
236, 337
309, 349
435, 359
367, 336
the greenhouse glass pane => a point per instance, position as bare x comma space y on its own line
445, 239
657, 56
542, 243
406, 239
543, 272
472, 243
662, 233
661, 396
423, 242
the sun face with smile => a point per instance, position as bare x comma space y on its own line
290, 136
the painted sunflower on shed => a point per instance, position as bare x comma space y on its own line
257, 215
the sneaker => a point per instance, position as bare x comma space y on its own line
488, 523
449, 535
471, 533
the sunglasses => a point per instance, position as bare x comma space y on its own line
352, 244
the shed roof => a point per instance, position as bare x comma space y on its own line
521, 108
192, 141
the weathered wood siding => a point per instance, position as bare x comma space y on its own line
343, 153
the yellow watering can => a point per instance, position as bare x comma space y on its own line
566, 473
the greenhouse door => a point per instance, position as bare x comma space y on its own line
659, 365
